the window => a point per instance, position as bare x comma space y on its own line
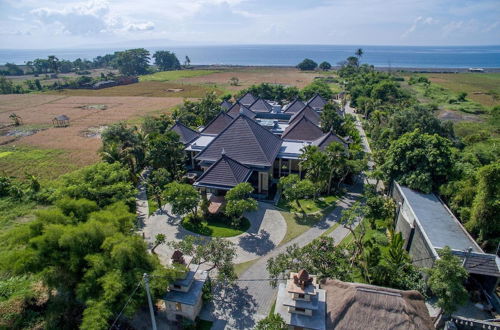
301, 296
301, 310
178, 307
177, 286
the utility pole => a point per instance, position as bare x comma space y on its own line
151, 311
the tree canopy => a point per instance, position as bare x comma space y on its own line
132, 61
307, 65
238, 201
166, 60
184, 198
325, 66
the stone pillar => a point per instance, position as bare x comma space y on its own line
289, 166
279, 168
192, 159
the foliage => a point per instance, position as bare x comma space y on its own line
419, 161
325, 66
102, 183
318, 86
330, 118
272, 322
216, 225
166, 60
295, 189
166, 151
184, 198
321, 257
238, 201
198, 113
307, 65
159, 239
484, 220
234, 81
132, 61
218, 252
273, 92
156, 124
156, 182
446, 281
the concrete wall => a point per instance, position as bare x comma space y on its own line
187, 311
419, 250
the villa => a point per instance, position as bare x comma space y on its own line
255, 141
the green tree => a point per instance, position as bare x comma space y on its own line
13, 69
318, 86
295, 189
336, 160
238, 201
220, 253
484, 220
166, 60
132, 61
419, 161
446, 281
351, 219
359, 52
166, 151
159, 239
158, 125
156, 182
321, 257
330, 119
325, 66
315, 164
272, 322
184, 198
307, 65
53, 63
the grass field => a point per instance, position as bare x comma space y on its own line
483, 88
216, 228
308, 205
176, 75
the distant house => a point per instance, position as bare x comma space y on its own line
307, 112
247, 100
302, 129
238, 108
294, 106
362, 306
60, 121
261, 105
428, 226
184, 298
217, 125
317, 102
301, 303
186, 134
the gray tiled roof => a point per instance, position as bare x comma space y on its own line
294, 107
186, 134
226, 104
260, 105
480, 263
302, 130
234, 111
316, 102
328, 138
224, 174
247, 99
245, 141
438, 223
308, 112
218, 124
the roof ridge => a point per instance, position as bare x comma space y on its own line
234, 162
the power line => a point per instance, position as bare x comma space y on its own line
128, 301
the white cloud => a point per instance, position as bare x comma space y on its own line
419, 21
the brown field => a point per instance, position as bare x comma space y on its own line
252, 76
38, 111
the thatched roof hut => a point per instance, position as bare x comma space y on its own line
362, 306
61, 121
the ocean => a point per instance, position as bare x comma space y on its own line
290, 55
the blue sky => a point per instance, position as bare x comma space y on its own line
60, 24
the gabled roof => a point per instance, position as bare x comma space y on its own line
303, 130
186, 134
247, 99
234, 111
363, 306
226, 104
61, 118
225, 173
217, 125
316, 102
480, 263
260, 105
244, 141
308, 112
294, 107
328, 138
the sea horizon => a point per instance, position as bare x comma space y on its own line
289, 55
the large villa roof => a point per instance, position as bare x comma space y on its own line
245, 141
260, 105
186, 134
328, 138
237, 108
302, 129
226, 104
307, 112
224, 174
316, 102
363, 306
293, 107
217, 125
247, 99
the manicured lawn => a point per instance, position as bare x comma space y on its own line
309, 205
329, 230
216, 227
298, 224
175, 75
43, 163
242, 267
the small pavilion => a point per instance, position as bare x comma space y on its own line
61, 121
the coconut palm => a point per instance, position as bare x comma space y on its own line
359, 52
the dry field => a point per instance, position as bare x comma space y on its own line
79, 140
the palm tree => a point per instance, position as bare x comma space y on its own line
359, 52
336, 156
